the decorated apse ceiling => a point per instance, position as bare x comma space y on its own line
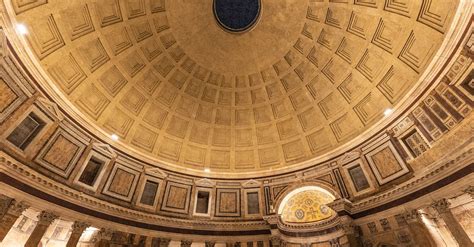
307, 207
296, 81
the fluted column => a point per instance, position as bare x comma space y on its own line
420, 233
148, 241
186, 243
11, 210
77, 229
210, 243
458, 232
45, 219
104, 237
164, 242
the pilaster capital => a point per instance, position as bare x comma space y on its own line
46, 217
186, 243
441, 206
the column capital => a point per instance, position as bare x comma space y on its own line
470, 191
350, 229
79, 226
186, 243
335, 242
16, 207
164, 241
348, 226
46, 217
5, 202
441, 206
106, 234
210, 243
412, 215
275, 240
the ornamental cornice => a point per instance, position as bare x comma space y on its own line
332, 222
29, 176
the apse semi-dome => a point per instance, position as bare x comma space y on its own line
307, 81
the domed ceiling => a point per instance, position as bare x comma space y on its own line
307, 77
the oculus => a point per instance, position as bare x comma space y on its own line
236, 15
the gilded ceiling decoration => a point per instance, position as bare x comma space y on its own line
307, 206
164, 76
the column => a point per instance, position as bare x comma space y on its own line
351, 232
77, 229
210, 243
272, 221
11, 211
104, 236
136, 239
45, 219
164, 242
420, 233
442, 207
186, 243
148, 241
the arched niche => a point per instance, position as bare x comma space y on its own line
306, 204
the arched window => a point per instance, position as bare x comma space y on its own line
306, 205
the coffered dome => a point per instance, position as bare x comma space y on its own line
307, 81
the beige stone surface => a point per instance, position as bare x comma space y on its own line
163, 76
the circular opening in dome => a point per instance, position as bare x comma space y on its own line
236, 15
